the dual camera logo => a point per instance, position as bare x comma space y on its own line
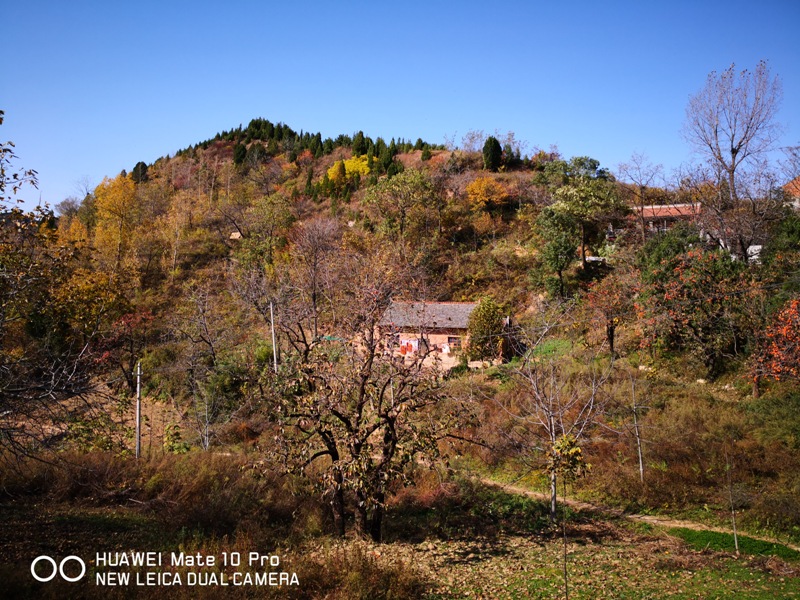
40, 574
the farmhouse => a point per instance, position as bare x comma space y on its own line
660, 218
435, 326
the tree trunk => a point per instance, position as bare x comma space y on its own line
361, 521
553, 497
640, 207
376, 521
610, 331
337, 504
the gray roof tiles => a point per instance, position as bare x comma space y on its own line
428, 315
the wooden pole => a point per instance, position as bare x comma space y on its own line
138, 409
274, 346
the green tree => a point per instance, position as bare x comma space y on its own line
239, 154
338, 177
586, 194
492, 154
485, 329
558, 253
269, 220
139, 173
402, 201
359, 144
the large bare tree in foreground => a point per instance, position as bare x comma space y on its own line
353, 414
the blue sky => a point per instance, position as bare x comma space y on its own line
91, 88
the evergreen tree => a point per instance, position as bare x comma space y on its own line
239, 154
395, 167
139, 174
309, 187
492, 154
359, 144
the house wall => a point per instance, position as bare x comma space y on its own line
451, 341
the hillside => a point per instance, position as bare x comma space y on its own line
643, 365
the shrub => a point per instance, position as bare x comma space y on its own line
354, 572
213, 494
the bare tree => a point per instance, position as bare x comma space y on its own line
473, 140
731, 123
643, 175
206, 366
556, 400
316, 244
790, 165
734, 225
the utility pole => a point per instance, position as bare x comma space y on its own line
274, 345
138, 409
636, 430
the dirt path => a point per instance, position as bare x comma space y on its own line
617, 513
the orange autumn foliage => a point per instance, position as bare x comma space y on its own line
780, 358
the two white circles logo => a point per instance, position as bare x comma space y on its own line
58, 568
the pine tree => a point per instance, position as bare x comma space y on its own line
239, 154
139, 173
359, 144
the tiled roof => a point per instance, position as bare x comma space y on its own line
793, 188
428, 315
670, 211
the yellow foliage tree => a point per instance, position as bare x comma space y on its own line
352, 166
117, 215
486, 193
72, 231
338, 174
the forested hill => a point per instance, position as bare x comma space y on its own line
489, 219
260, 180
